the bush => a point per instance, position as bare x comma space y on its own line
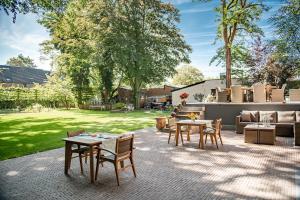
118, 106
34, 108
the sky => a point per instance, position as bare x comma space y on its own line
198, 25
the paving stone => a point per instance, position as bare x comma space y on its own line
235, 171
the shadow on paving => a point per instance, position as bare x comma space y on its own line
235, 171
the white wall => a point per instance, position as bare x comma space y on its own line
203, 88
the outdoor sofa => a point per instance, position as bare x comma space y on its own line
287, 122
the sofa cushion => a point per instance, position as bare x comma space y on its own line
245, 116
271, 115
297, 116
285, 116
249, 116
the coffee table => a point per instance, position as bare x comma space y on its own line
260, 134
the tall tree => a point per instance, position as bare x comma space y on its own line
21, 61
187, 75
70, 37
15, 7
237, 18
286, 44
149, 42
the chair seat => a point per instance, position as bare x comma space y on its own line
209, 131
183, 128
81, 150
112, 157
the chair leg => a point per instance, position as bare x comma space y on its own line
85, 160
132, 165
205, 138
80, 161
221, 139
215, 136
69, 164
169, 137
117, 172
97, 165
181, 137
211, 139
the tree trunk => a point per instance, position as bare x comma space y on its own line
136, 96
228, 66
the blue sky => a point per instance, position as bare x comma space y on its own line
198, 25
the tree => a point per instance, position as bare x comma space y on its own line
286, 45
187, 75
15, 7
239, 58
70, 37
147, 45
21, 61
237, 18
287, 28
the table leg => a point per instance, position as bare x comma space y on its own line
92, 164
177, 134
201, 144
188, 134
68, 155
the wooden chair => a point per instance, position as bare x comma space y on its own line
259, 93
173, 127
77, 149
123, 151
214, 132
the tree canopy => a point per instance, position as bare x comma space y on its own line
136, 40
15, 7
21, 61
237, 18
187, 75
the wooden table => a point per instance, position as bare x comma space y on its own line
200, 123
260, 134
89, 141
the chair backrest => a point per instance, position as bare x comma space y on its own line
283, 87
259, 93
124, 145
218, 125
75, 133
172, 121
236, 94
294, 94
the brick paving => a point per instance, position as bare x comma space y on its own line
235, 171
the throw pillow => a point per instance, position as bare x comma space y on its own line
271, 115
286, 116
297, 116
245, 116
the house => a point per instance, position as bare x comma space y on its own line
21, 76
158, 94
205, 88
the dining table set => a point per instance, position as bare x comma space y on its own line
91, 141
201, 124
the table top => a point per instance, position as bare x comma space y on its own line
196, 122
260, 127
90, 140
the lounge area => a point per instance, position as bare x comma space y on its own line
235, 170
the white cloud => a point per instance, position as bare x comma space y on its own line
17, 40
196, 10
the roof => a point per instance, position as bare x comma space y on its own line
22, 75
197, 83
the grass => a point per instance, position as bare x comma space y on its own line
27, 133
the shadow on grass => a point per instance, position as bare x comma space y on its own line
28, 135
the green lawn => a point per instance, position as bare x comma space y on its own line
26, 133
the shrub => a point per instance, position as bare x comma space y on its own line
118, 106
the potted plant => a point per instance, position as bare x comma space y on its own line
183, 98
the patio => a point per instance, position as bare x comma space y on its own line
236, 170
